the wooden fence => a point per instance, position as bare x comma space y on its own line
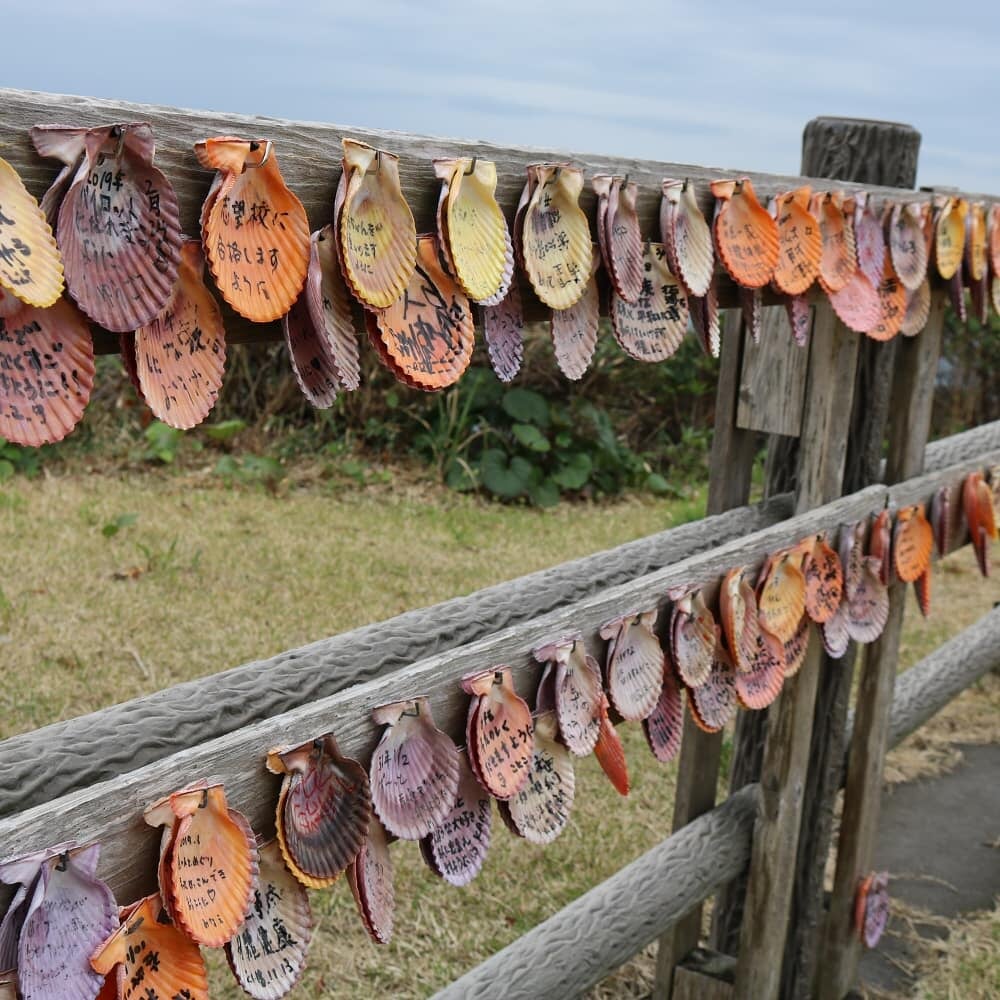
841, 399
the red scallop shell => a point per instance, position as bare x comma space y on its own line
980, 516
796, 648
912, 543
610, 753
879, 546
759, 688
714, 703
665, 724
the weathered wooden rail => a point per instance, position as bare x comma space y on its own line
842, 398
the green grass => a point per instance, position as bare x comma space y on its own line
204, 578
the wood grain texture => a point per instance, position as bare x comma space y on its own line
52, 761
578, 946
733, 451
773, 378
909, 424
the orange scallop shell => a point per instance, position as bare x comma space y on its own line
781, 598
922, 586
693, 638
574, 330
912, 543
869, 239
892, 305
503, 329
714, 703
539, 810
745, 234
46, 373
824, 578
268, 951
653, 327
370, 878
610, 753
153, 958
414, 770
759, 688
918, 309
980, 516
838, 261
375, 226
498, 732
181, 354
687, 238
857, 304
949, 236
800, 245
31, 266
428, 333
555, 246
975, 242
472, 228
665, 724
329, 304
118, 227
738, 611
796, 648
323, 810
907, 244
618, 234
635, 664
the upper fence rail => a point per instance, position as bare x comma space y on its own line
309, 155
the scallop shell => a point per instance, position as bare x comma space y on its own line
370, 877
746, 237
995, 294
530, 184
918, 309
956, 292
752, 307
949, 236
457, 847
906, 243
323, 810
428, 333
796, 649
540, 811
256, 234
979, 291
869, 240
837, 246
800, 245
574, 330
556, 247
799, 318
664, 725
824, 578
738, 612
13, 921
168, 963
912, 543
705, 319
871, 908
868, 611
693, 638
857, 304
46, 373
652, 329
126, 351
892, 306
65, 143
758, 689
879, 546
308, 351
268, 951
378, 236
941, 520
69, 915
714, 703
31, 267
618, 235
503, 328
375, 339
476, 231
687, 238
329, 304
993, 239
181, 354
119, 230
414, 770
635, 664
836, 637
977, 503
610, 753
781, 598
499, 732
578, 692
922, 586
975, 242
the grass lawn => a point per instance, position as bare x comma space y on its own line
120, 585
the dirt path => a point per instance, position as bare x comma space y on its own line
938, 841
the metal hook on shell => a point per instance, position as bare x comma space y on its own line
118, 132
472, 167
265, 157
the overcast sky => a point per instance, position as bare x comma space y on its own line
717, 83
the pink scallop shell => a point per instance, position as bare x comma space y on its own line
918, 309
857, 304
796, 648
759, 688
578, 696
687, 238
752, 305
907, 244
705, 319
308, 352
869, 240
799, 318
664, 725
414, 772
868, 609
618, 235
574, 331
713, 704
693, 639
370, 877
503, 327
635, 666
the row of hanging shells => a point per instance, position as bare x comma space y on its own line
119, 252
65, 936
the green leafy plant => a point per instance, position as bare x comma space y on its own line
16, 459
162, 442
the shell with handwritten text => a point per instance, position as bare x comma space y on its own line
635, 664
800, 243
574, 329
664, 725
906, 243
618, 236
503, 330
714, 703
686, 237
746, 236
693, 638
370, 878
578, 692
740, 624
